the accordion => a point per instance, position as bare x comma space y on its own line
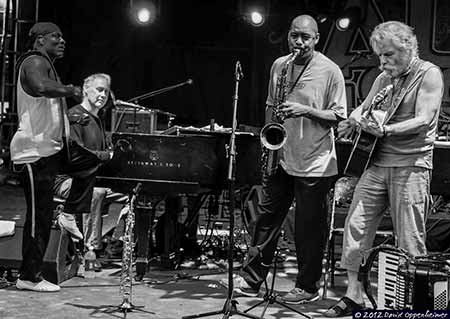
416, 283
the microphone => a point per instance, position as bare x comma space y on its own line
189, 81
123, 103
363, 54
238, 70
112, 97
359, 54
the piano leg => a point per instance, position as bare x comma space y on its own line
171, 233
144, 218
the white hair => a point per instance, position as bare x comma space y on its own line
91, 78
401, 35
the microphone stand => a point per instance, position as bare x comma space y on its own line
229, 308
357, 56
136, 106
159, 91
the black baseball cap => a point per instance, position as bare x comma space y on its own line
42, 28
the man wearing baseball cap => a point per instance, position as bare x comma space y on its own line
40, 150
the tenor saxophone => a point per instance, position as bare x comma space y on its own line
273, 135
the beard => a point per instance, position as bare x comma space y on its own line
398, 66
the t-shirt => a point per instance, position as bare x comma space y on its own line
310, 150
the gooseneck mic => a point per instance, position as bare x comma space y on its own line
123, 103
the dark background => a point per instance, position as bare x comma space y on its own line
198, 39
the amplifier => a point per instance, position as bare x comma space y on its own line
60, 260
148, 121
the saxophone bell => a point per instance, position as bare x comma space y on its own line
273, 136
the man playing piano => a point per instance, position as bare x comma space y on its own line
86, 130
315, 101
400, 171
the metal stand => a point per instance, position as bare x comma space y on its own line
136, 99
356, 56
270, 297
126, 276
126, 279
153, 113
229, 308
329, 246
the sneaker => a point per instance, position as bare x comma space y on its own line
41, 286
240, 286
67, 222
298, 296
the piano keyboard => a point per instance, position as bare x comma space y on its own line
388, 287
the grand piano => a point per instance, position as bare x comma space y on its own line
189, 162
195, 162
183, 163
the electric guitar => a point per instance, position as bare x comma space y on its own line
364, 143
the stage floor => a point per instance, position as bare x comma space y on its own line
161, 295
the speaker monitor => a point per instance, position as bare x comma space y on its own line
129, 120
60, 260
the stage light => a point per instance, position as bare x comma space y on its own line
143, 15
143, 12
256, 18
254, 12
353, 14
322, 18
343, 24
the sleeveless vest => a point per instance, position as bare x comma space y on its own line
40, 128
414, 149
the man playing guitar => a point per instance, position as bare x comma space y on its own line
398, 175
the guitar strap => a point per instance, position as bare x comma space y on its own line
405, 87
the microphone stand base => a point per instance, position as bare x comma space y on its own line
229, 309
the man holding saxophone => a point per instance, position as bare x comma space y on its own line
313, 99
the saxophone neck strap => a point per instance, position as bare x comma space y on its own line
300, 74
